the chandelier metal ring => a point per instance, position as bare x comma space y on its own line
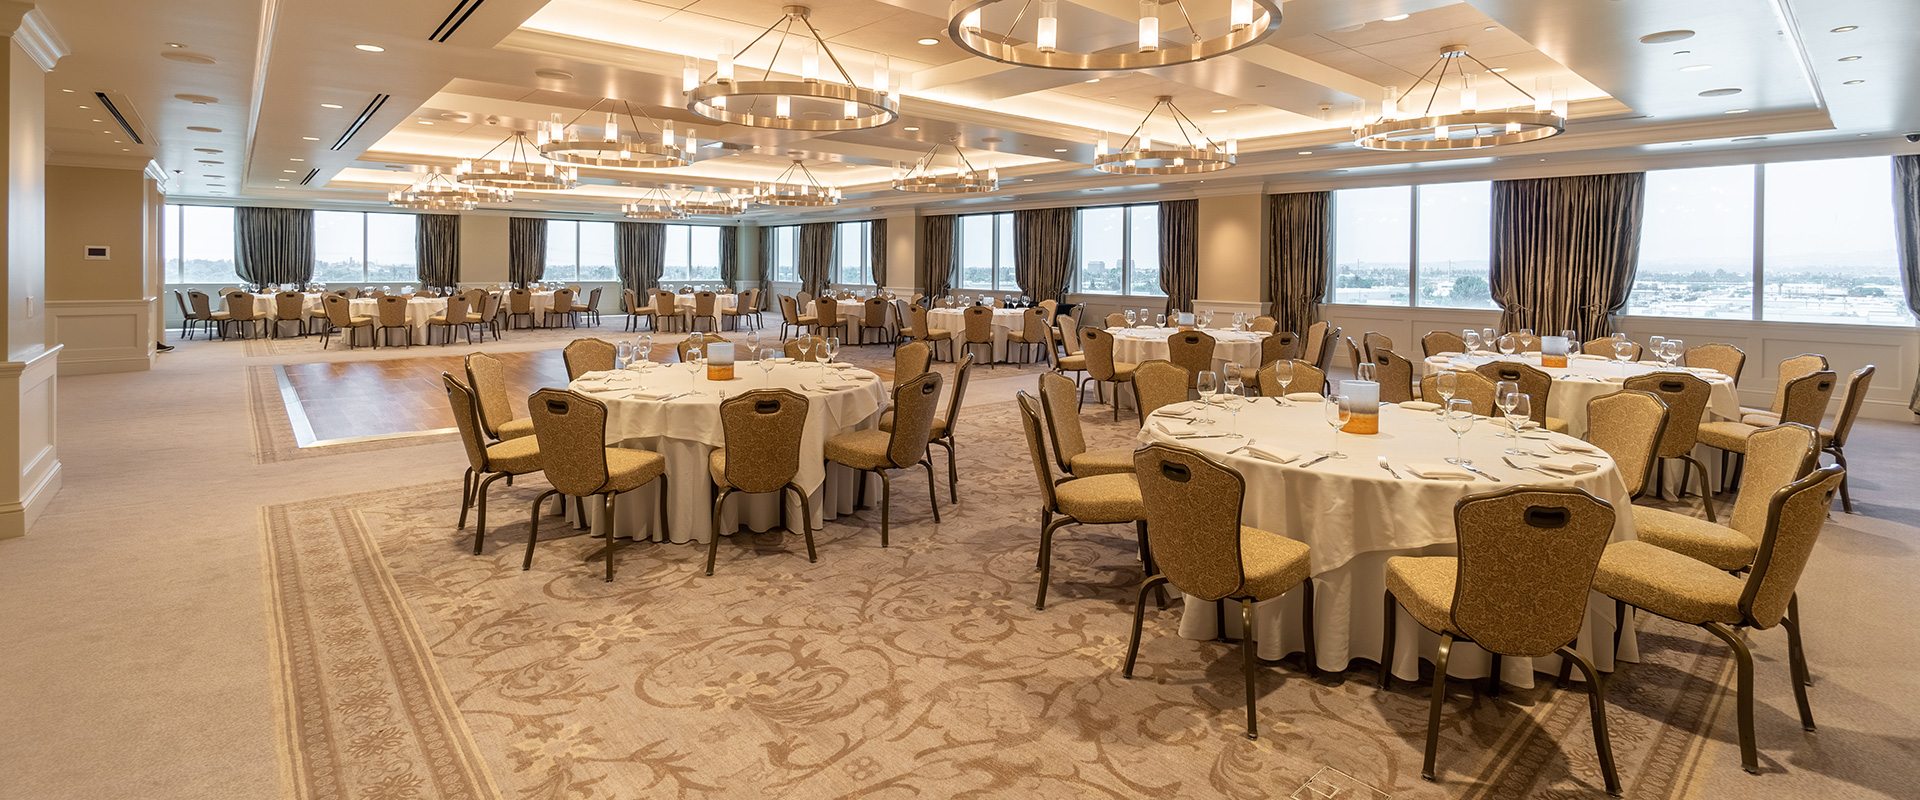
1140, 154
522, 168
610, 151
437, 192
724, 99
966, 179
1249, 22
803, 190
1470, 128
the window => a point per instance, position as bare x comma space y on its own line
596, 252
1389, 239
199, 244
1119, 251
986, 252
693, 253
1372, 238
580, 251
1827, 244
852, 241
786, 242
1455, 244
357, 247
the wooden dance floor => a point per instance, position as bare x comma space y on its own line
357, 399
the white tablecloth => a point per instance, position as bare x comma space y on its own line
1005, 320
686, 303
687, 431
1355, 516
1581, 380
1138, 345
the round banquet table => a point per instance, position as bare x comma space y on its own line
851, 312
1005, 320
1355, 516
1587, 377
687, 430
684, 304
1142, 344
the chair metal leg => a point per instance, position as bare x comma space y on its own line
1146, 559
1493, 677
1846, 495
1386, 643
1706, 492
1248, 667
1139, 618
1797, 661
806, 523
1743, 664
953, 474
1046, 558
1597, 697
466, 496
480, 518
613, 542
713, 544
580, 515
886, 503
533, 529
1433, 708
1621, 612
933, 488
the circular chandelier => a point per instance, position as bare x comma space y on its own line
714, 204
521, 167
566, 143
966, 179
1468, 129
660, 207
437, 192
797, 187
768, 103
1246, 22
1141, 155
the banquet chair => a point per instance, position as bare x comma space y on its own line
495, 406
1833, 440
1525, 342
1264, 324
1528, 557
1072, 360
666, 308
1097, 345
910, 361
746, 310
488, 318
187, 320
923, 331
391, 313
790, 317
1324, 358
243, 313
1781, 455
519, 304
562, 309
803, 298
635, 311
827, 320
1718, 356
340, 318
1395, 373
476, 304
1191, 351
1156, 384
941, 431
1603, 347
1686, 397
1473, 387
1069, 441
486, 463
1035, 332
792, 350
707, 339
1372, 340
1192, 505
574, 288
875, 318
1437, 342
1050, 308
1639, 575
1097, 500
572, 431
978, 329
1274, 347
1629, 425
705, 306
1791, 368
1805, 403
763, 428
203, 312
1534, 382
454, 317
591, 308
1356, 355
878, 451
289, 307
1306, 378
1316, 341
1116, 320
588, 355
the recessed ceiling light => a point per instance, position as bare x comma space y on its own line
68, 91
330, 105
85, 106
1665, 37
96, 120
296, 159
1093, 80
1696, 68
1395, 18
1059, 149
295, 171
425, 121
1844, 29
1739, 111
1306, 152
125, 150
175, 45
286, 180
1498, 69
1219, 111
311, 138
371, 48
1863, 135
1491, 28
1030, 180
929, 41
1850, 58
910, 128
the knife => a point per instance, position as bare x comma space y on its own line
1200, 436
1316, 461
1476, 471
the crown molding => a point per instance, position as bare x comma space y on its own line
34, 33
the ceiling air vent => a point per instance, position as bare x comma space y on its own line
308, 178
122, 110
455, 18
373, 107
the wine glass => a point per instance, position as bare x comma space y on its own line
1653, 344
1233, 396
1446, 382
766, 365
1488, 338
1130, 317
644, 345
753, 340
1508, 344
806, 346
1670, 351
1623, 350
622, 355
1337, 413
1206, 318
1208, 384
1159, 320
1283, 372
1503, 393
1239, 320
1366, 371
693, 369
1519, 412
829, 350
1459, 420
1471, 338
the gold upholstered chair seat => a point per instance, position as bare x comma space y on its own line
1273, 564
1424, 586
861, 449
514, 429
933, 334
1123, 371
1101, 462
1718, 545
1072, 363
1101, 499
1556, 424
1682, 588
1726, 435
515, 456
938, 431
631, 469
1758, 418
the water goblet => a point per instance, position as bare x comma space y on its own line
622, 355
829, 350
693, 369
1459, 420
1471, 338
753, 341
1670, 351
1653, 344
1488, 338
644, 345
767, 364
1206, 318
1232, 397
1337, 414
806, 346
1208, 384
1508, 344
1446, 382
1519, 412
1283, 373
1131, 318
1366, 371
1503, 393
1623, 350
1159, 320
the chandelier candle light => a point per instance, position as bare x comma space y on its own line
568, 143
714, 204
797, 187
437, 192
965, 179
768, 103
1246, 23
1141, 155
521, 167
657, 204
1468, 129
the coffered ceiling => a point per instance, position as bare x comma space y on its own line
337, 102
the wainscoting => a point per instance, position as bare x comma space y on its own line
102, 335
29, 439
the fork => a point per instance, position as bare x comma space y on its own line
1515, 465
1241, 447
1389, 468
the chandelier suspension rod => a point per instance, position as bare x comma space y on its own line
1192, 30
634, 123
1503, 78
1418, 81
1017, 17
1178, 116
1437, 83
828, 50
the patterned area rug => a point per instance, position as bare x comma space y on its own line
415, 669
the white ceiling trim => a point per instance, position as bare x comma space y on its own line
38, 39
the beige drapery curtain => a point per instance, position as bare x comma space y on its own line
877, 252
1043, 251
640, 255
936, 255
1179, 263
526, 250
1565, 250
273, 245
1299, 237
1906, 223
730, 257
436, 246
815, 255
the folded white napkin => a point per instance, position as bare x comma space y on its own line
1706, 372
1273, 454
1420, 405
1306, 397
1173, 428
648, 394
840, 365
1446, 354
833, 386
1612, 378
1653, 363
1588, 357
596, 376
783, 360
1440, 472
1573, 445
1566, 464
1484, 353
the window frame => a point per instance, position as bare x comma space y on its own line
993, 247
791, 234
864, 263
1413, 251
1127, 259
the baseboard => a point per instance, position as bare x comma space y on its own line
106, 364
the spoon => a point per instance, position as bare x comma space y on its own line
1389, 468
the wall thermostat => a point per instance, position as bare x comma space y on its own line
97, 252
